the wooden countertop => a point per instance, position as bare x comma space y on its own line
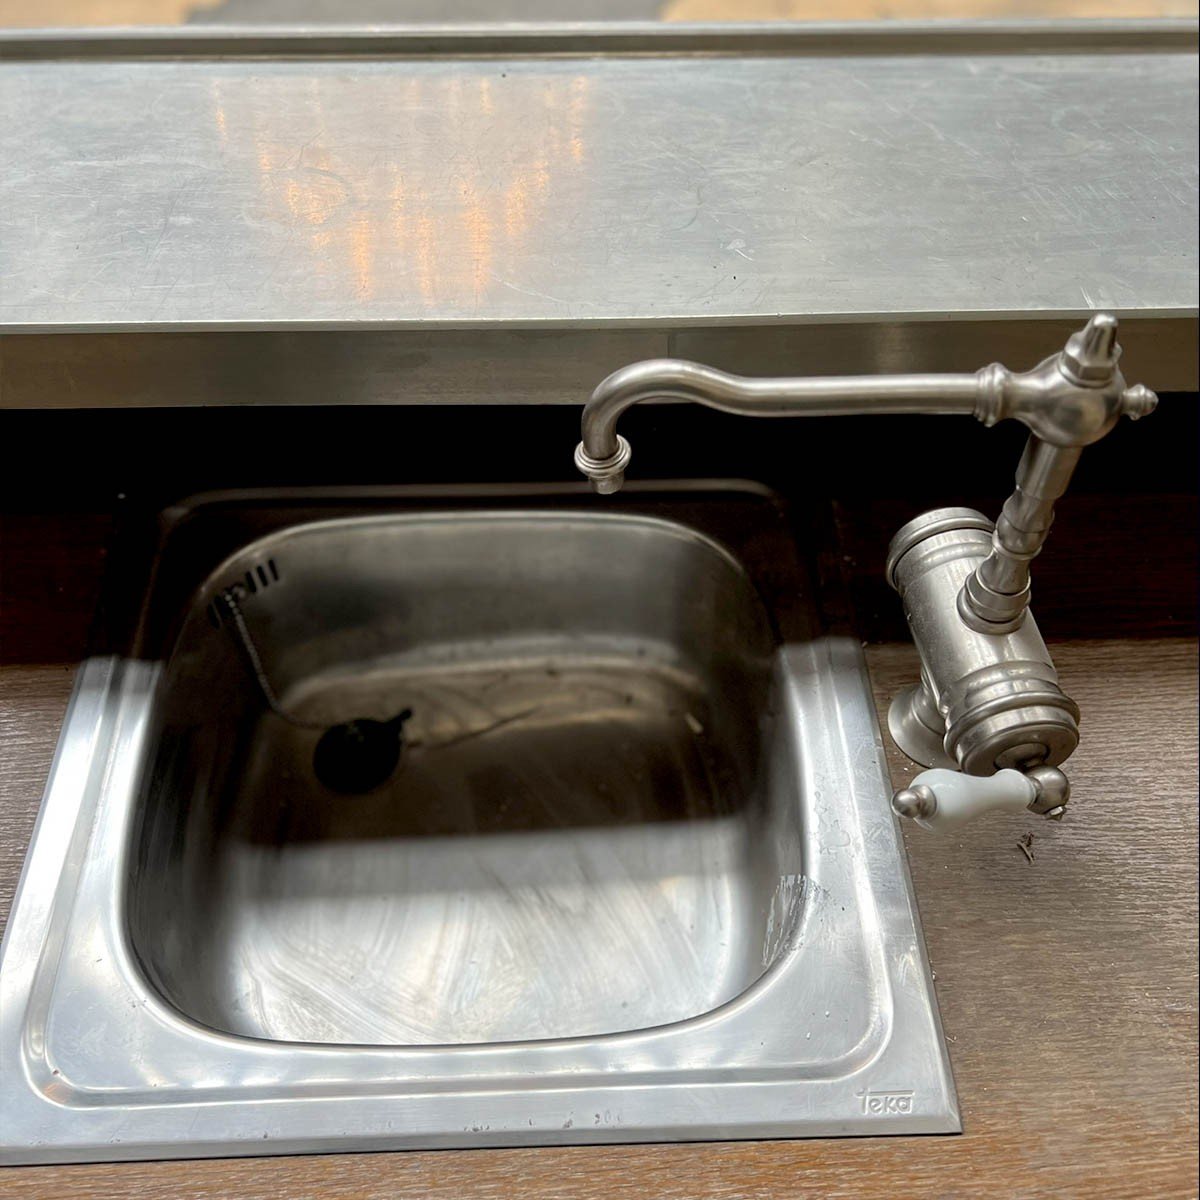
1067, 985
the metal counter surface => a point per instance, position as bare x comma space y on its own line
266, 181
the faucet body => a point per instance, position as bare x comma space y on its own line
985, 700
988, 701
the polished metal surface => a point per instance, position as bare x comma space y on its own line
988, 698
514, 366
635, 878
988, 685
1068, 401
603, 455
782, 38
407, 180
578, 841
995, 695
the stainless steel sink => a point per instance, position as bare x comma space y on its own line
634, 878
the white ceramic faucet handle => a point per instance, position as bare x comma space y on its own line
941, 800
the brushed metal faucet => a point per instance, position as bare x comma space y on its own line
987, 715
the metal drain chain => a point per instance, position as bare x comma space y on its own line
253, 660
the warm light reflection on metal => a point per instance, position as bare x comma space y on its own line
516, 209
362, 253
307, 186
576, 111
426, 257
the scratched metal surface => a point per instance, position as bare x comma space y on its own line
637, 879
553, 858
572, 844
526, 190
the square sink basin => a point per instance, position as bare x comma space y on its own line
578, 840
621, 868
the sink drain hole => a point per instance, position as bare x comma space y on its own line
351, 757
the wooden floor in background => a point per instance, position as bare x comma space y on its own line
1067, 984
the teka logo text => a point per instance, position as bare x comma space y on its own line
877, 1104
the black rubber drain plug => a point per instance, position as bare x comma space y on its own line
357, 756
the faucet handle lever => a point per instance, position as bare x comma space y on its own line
940, 800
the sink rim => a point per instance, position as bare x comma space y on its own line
69, 1117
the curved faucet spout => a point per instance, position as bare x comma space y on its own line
1067, 401
989, 701
602, 454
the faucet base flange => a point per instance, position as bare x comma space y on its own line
921, 741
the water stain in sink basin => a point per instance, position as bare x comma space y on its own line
564, 850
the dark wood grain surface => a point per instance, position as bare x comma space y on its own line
1068, 985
